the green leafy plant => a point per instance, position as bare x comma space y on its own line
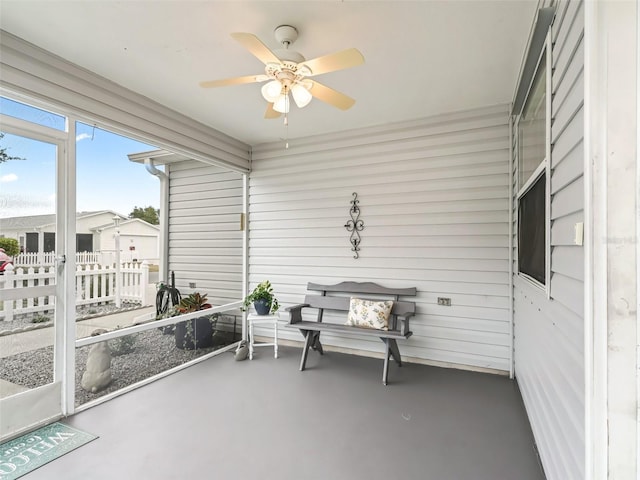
10, 246
40, 319
148, 214
264, 292
185, 331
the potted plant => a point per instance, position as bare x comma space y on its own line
197, 332
262, 298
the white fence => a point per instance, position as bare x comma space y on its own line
36, 259
94, 284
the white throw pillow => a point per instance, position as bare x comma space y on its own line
369, 313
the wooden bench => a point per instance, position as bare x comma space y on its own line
337, 298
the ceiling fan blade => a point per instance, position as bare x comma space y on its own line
234, 81
256, 47
271, 113
335, 61
331, 96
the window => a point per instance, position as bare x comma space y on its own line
532, 231
32, 114
533, 151
532, 138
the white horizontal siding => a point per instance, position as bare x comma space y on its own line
205, 240
434, 200
549, 332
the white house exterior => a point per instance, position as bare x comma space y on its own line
95, 232
139, 240
439, 200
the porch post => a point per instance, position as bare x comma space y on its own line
118, 282
40, 246
612, 185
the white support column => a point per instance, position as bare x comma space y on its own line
40, 246
611, 247
144, 283
8, 284
66, 302
118, 280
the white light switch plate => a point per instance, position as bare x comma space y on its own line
579, 233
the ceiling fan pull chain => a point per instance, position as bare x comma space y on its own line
286, 119
286, 135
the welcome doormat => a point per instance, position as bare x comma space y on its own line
28, 452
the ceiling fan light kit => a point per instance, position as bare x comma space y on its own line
287, 70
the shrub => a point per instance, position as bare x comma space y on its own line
40, 319
10, 245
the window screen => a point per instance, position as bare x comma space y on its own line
532, 231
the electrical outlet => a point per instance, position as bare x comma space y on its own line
192, 284
444, 301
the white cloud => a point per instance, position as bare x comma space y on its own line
19, 205
82, 136
10, 177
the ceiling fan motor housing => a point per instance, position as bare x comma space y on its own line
285, 35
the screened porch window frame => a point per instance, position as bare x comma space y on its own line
543, 169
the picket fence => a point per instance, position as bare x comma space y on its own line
36, 259
95, 284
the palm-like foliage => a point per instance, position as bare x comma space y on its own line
193, 303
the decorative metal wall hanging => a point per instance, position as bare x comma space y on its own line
355, 225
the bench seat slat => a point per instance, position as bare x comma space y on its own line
342, 304
337, 328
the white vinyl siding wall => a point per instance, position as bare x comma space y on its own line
206, 242
434, 199
549, 333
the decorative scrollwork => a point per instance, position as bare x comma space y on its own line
355, 225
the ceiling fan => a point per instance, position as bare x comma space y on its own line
288, 72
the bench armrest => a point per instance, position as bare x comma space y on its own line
295, 313
404, 322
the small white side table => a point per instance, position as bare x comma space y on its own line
255, 319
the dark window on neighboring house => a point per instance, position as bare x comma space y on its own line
32, 242
49, 242
84, 242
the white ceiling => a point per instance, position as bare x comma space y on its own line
421, 57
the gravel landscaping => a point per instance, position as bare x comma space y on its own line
152, 352
32, 321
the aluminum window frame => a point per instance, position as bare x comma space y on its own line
543, 168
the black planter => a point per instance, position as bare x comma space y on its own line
198, 335
262, 307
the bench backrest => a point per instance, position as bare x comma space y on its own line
337, 298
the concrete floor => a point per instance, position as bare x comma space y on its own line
223, 419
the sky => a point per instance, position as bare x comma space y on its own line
105, 178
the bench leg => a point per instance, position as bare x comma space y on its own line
308, 334
315, 344
385, 369
395, 351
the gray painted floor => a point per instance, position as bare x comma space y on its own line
223, 419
